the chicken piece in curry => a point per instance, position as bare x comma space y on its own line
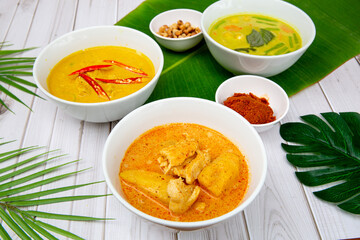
184, 172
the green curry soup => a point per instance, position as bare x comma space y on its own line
255, 34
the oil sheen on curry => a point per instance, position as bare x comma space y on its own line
100, 74
184, 172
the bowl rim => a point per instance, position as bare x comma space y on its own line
175, 39
272, 83
228, 50
98, 104
175, 224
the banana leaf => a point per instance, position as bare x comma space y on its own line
195, 73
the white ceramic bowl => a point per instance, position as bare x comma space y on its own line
170, 17
261, 87
240, 63
91, 37
185, 110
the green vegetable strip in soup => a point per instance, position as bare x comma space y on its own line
255, 34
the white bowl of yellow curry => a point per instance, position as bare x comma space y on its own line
184, 163
99, 74
261, 37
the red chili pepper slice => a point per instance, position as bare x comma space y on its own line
121, 81
127, 67
98, 89
89, 69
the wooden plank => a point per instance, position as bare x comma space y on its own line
342, 89
46, 125
125, 7
93, 138
275, 212
95, 13
7, 13
129, 226
331, 222
233, 228
66, 134
15, 126
301, 104
91, 13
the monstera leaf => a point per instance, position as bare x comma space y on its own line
332, 150
11, 70
14, 199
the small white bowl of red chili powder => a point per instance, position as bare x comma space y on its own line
259, 100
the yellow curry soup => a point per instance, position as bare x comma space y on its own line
122, 72
151, 173
255, 34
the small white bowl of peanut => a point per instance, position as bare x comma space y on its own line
177, 29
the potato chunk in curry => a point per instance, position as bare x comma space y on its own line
152, 183
169, 191
221, 173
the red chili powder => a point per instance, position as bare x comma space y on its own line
254, 109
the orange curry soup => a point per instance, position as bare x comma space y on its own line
119, 79
210, 159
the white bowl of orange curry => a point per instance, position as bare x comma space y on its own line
99, 74
184, 163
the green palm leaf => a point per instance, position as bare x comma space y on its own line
54, 200
5, 169
10, 80
29, 177
40, 230
3, 143
24, 225
10, 69
10, 52
12, 224
10, 94
332, 148
10, 61
22, 81
43, 193
13, 209
62, 216
58, 230
13, 191
15, 152
3, 234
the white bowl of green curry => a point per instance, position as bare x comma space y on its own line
261, 37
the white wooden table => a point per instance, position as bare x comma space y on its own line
284, 209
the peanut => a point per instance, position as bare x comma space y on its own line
178, 30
